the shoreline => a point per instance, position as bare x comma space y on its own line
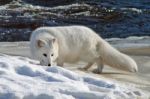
131, 45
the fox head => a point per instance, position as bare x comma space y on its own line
47, 51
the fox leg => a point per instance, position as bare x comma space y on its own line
100, 66
60, 64
86, 67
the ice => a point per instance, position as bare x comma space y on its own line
23, 78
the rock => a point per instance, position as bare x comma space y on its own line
19, 18
49, 3
3, 2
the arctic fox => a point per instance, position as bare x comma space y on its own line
71, 44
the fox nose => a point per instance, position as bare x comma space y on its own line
49, 64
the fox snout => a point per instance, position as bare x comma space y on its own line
49, 64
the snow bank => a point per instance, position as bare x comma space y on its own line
21, 78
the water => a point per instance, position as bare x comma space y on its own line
109, 18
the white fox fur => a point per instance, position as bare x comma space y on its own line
76, 43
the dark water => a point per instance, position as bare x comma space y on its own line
109, 18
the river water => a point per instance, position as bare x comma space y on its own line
109, 18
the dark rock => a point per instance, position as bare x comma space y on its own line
3, 2
49, 3
106, 17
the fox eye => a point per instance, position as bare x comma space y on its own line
52, 54
45, 55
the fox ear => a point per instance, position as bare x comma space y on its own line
54, 40
40, 43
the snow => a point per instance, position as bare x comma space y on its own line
23, 78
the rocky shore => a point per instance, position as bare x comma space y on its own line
108, 18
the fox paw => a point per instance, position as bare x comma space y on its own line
97, 71
83, 69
